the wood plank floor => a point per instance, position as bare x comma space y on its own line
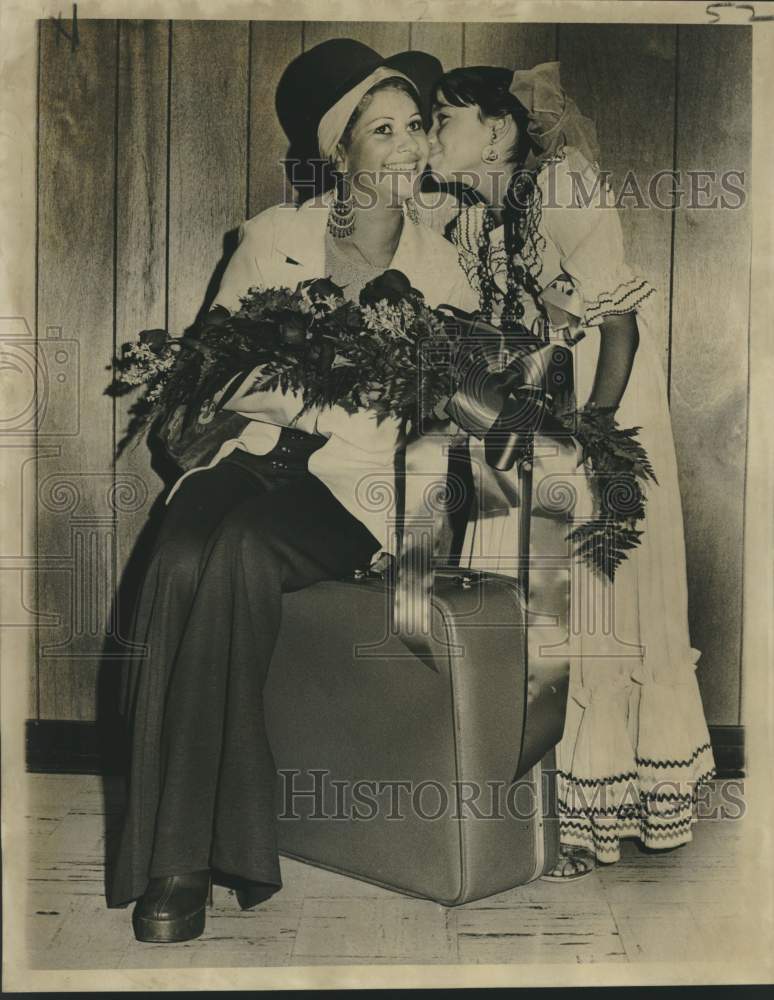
683, 905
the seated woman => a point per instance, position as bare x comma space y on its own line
276, 511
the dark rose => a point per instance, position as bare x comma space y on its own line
214, 320
392, 285
217, 316
322, 288
155, 339
292, 327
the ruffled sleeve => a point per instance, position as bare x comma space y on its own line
583, 223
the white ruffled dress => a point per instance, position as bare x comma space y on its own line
635, 744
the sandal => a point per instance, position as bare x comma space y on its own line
574, 863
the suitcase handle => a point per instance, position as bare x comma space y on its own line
465, 580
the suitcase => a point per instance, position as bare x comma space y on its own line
433, 774
399, 771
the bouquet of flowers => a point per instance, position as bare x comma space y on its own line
389, 352
309, 340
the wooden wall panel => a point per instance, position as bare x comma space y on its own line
387, 37
508, 45
75, 305
636, 132
442, 40
208, 158
141, 265
223, 143
709, 362
273, 45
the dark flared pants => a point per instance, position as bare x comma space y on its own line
201, 791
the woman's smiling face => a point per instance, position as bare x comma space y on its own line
387, 148
457, 138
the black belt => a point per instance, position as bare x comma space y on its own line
291, 452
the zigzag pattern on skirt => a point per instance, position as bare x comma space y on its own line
647, 799
647, 809
590, 782
688, 797
647, 762
652, 835
620, 812
635, 775
605, 839
592, 832
624, 811
696, 782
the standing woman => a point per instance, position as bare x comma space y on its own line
275, 511
542, 246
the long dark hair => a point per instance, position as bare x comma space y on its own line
487, 88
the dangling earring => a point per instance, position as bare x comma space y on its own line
410, 207
341, 217
489, 153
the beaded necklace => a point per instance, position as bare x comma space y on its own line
486, 282
520, 234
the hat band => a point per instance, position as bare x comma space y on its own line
335, 119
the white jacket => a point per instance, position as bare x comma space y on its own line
280, 247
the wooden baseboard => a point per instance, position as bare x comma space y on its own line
728, 749
66, 747
63, 746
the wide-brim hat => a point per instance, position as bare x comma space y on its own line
317, 81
